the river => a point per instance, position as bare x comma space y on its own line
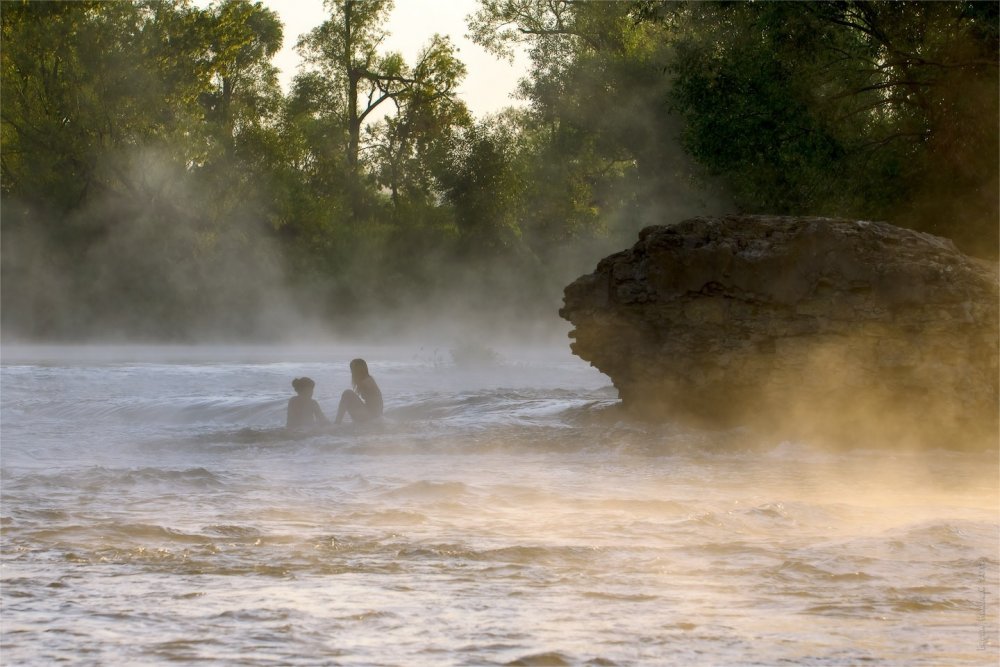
155, 511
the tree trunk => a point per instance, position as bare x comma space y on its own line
353, 118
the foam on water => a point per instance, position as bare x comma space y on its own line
154, 510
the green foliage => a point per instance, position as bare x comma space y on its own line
126, 193
748, 109
375, 133
861, 109
858, 109
157, 182
484, 185
598, 118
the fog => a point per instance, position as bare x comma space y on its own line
163, 245
167, 271
155, 259
144, 261
494, 517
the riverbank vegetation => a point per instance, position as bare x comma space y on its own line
157, 182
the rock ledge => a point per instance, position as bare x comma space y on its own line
850, 330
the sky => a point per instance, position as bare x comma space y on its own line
489, 82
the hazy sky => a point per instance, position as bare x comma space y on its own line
486, 88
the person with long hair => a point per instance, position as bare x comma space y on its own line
364, 403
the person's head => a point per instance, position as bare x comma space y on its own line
359, 371
303, 386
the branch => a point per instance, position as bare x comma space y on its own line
869, 107
891, 137
378, 78
544, 32
371, 107
881, 86
915, 60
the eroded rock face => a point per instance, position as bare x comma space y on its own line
817, 327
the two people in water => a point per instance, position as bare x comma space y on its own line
363, 403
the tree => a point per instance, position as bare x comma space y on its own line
113, 165
407, 148
82, 79
599, 123
485, 186
352, 80
861, 109
243, 106
242, 38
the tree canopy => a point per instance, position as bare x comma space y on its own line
158, 182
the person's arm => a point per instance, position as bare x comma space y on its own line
318, 413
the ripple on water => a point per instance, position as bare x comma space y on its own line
521, 524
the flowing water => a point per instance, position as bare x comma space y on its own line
155, 511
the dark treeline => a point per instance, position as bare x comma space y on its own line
158, 183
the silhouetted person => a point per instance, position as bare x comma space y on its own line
365, 402
303, 411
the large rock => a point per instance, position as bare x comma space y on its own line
848, 330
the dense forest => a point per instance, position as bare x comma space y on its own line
157, 182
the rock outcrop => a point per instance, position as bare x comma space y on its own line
847, 330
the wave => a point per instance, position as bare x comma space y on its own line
259, 420
101, 479
429, 490
547, 659
160, 411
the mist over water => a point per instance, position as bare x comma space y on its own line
155, 511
